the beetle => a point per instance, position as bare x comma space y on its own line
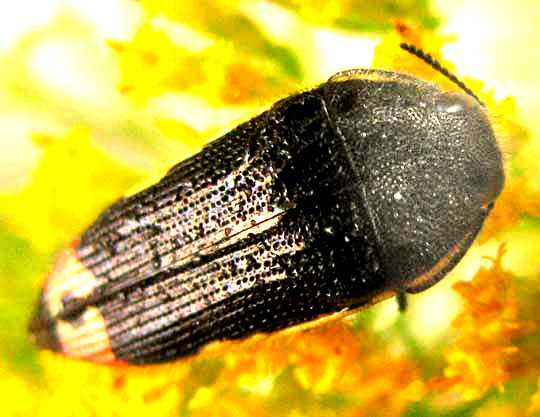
372, 184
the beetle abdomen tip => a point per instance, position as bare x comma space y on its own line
41, 328
81, 333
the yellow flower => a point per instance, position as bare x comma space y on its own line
153, 64
320, 11
334, 358
496, 408
388, 55
322, 356
484, 354
534, 406
72, 183
18, 397
191, 11
86, 389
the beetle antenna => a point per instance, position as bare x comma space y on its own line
428, 59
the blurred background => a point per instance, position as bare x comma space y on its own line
98, 97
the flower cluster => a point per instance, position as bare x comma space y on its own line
332, 369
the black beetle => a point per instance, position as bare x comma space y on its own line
371, 184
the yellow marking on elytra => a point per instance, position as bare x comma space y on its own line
87, 340
68, 277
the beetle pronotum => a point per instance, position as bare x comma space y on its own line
371, 184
